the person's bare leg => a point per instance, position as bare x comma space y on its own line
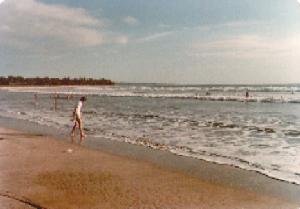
82, 135
73, 129
73, 132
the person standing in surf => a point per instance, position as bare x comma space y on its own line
77, 118
247, 95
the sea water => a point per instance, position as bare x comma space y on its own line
210, 122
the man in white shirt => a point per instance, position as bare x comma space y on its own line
77, 118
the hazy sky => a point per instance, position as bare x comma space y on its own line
169, 41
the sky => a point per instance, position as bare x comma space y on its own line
157, 41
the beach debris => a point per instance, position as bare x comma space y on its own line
217, 124
69, 150
194, 123
86, 129
297, 174
148, 143
23, 200
292, 133
220, 125
230, 126
90, 112
269, 130
254, 128
251, 128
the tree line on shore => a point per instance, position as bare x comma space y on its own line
46, 81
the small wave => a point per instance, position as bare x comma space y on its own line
208, 156
265, 94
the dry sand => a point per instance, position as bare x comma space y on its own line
50, 173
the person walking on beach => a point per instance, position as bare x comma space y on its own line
77, 118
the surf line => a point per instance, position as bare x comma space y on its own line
22, 200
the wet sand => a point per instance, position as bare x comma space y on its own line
40, 171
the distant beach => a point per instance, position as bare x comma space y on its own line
20, 81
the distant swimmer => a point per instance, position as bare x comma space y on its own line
77, 118
35, 99
247, 95
55, 97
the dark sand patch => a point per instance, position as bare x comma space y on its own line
63, 189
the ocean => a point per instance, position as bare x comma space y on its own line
215, 123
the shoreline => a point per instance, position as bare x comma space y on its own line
211, 172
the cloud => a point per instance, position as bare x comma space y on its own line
162, 25
30, 23
248, 46
129, 20
121, 39
154, 37
230, 25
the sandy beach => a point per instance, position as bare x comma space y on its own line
38, 171
175, 104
